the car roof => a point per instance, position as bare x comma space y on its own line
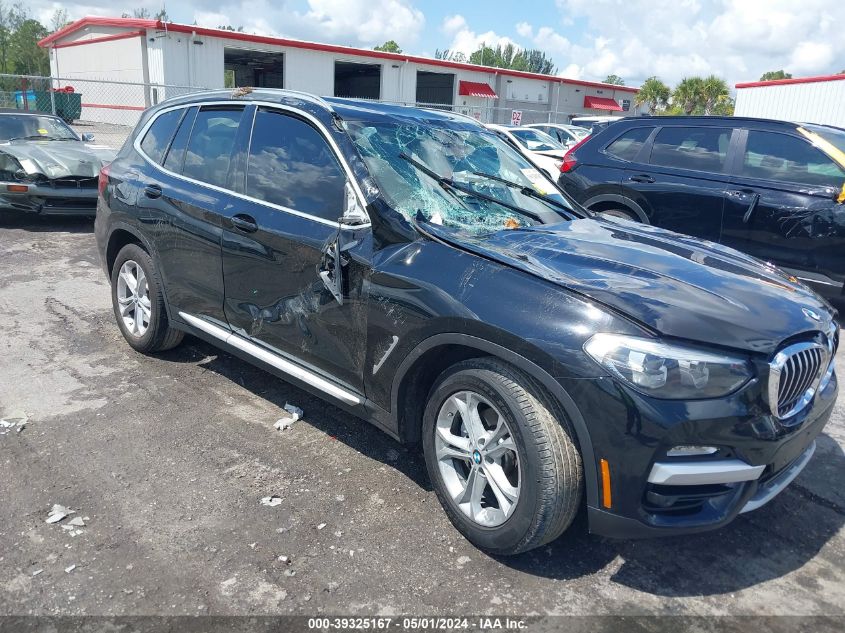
349, 109
733, 121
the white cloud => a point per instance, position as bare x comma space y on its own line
353, 22
467, 41
736, 39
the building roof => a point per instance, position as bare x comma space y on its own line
138, 23
797, 80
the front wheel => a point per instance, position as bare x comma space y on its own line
502, 459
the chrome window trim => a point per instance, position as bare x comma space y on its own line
282, 364
309, 117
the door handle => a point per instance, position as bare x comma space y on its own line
245, 223
152, 191
644, 178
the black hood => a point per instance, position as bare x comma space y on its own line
676, 285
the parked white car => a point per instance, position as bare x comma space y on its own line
595, 123
568, 135
543, 150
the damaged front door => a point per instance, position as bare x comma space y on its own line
782, 207
293, 271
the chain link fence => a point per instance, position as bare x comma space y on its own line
107, 109
110, 109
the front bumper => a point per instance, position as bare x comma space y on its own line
654, 493
48, 200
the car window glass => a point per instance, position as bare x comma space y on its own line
696, 148
25, 126
774, 156
292, 165
629, 144
176, 153
210, 147
157, 138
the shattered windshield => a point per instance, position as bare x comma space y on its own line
30, 126
398, 155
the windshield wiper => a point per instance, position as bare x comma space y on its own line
530, 192
449, 184
35, 136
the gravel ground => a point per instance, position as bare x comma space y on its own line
167, 459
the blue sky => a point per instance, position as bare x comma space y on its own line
588, 39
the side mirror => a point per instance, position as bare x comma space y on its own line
87, 137
353, 212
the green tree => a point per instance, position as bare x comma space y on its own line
775, 74
59, 20
229, 27
28, 58
615, 80
654, 94
142, 14
725, 107
509, 56
390, 46
450, 55
689, 94
714, 90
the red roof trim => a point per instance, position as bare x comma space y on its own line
798, 80
332, 48
601, 103
105, 38
476, 89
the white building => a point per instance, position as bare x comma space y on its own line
94, 50
804, 100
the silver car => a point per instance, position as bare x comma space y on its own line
45, 167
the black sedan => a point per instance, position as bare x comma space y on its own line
413, 268
45, 167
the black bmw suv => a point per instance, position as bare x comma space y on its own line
772, 189
414, 269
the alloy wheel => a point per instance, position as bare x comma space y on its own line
477, 458
133, 298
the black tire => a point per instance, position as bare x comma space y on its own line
551, 476
618, 213
159, 336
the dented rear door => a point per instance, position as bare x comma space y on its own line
782, 207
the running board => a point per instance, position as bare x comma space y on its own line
283, 365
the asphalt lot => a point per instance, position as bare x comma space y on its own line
169, 457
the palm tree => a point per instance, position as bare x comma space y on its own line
653, 93
714, 90
689, 94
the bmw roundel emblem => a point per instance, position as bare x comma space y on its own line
811, 314
476, 457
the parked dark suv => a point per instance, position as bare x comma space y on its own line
769, 188
416, 270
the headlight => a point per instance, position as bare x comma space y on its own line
670, 371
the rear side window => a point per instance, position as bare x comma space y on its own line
774, 156
290, 164
210, 147
629, 144
157, 138
176, 154
696, 148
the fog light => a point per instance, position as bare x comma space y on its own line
687, 451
